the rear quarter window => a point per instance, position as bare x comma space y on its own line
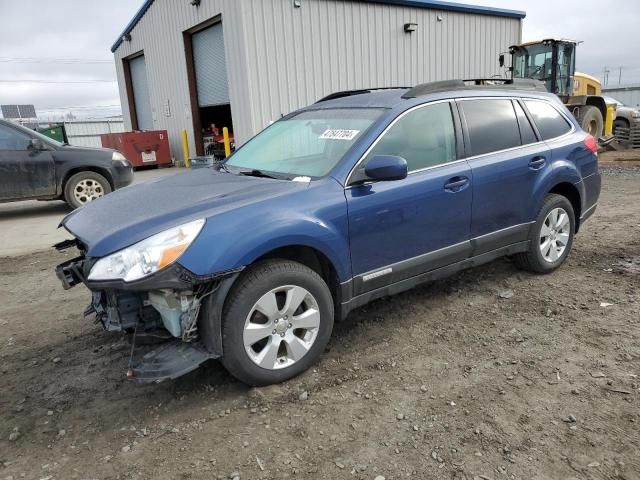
492, 125
550, 123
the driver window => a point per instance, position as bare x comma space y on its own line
11, 139
424, 137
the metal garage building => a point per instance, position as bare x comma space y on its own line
628, 94
244, 63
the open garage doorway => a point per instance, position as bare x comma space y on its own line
208, 86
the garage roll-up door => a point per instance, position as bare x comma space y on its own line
140, 88
210, 66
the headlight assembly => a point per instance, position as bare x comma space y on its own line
118, 157
148, 256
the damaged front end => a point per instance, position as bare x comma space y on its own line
173, 309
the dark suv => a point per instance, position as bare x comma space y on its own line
359, 196
36, 167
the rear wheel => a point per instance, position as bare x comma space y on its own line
277, 322
551, 237
591, 121
85, 187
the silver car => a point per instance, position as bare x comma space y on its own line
626, 117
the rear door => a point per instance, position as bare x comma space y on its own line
400, 229
24, 172
506, 158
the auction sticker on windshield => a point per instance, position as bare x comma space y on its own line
339, 134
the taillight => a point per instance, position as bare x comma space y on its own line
591, 143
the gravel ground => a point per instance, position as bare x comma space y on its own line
494, 374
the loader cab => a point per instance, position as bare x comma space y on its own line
550, 61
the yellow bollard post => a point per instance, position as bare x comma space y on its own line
185, 147
227, 142
608, 122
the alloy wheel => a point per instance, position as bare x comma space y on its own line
555, 234
87, 190
281, 327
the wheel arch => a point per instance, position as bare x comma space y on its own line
312, 258
599, 103
587, 100
89, 168
571, 193
210, 322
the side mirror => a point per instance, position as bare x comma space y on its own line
36, 144
501, 59
386, 168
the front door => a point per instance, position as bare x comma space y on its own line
24, 172
400, 229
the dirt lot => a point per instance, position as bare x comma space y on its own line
449, 381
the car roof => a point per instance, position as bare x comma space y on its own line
392, 97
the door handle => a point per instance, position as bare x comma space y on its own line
536, 163
456, 184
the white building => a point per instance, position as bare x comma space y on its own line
244, 63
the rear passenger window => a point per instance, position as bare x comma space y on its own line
548, 120
526, 130
424, 137
492, 125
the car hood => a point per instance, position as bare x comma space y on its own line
132, 214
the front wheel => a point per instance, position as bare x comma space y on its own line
277, 321
551, 237
85, 187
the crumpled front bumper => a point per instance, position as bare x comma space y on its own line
71, 272
141, 308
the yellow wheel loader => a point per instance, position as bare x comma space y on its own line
553, 62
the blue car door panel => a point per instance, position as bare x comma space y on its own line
400, 229
504, 171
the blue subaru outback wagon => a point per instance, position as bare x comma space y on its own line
361, 195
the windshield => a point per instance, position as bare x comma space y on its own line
308, 144
533, 62
44, 138
536, 61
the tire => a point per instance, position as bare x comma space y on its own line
535, 260
281, 351
93, 184
619, 123
591, 121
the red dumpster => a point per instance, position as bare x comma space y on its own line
142, 149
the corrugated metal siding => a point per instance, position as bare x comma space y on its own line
86, 133
159, 34
332, 45
629, 96
280, 58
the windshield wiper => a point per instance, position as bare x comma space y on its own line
257, 173
220, 165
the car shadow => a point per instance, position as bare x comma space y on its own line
31, 209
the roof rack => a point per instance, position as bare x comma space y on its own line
350, 93
476, 83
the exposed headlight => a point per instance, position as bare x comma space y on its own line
118, 157
148, 256
635, 114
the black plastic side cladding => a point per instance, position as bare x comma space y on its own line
210, 321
